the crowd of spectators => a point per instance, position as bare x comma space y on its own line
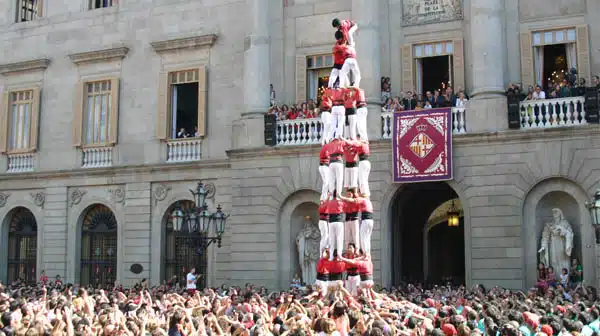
411, 309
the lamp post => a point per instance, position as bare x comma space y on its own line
453, 216
594, 208
203, 227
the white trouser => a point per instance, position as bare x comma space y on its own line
351, 234
335, 73
338, 119
364, 169
324, 228
366, 229
336, 177
336, 238
323, 285
361, 122
325, 132
326, 179
352, 123
350, 64
366, 284
352, 284
351, 177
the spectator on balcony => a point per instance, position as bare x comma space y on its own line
410, 101
460, 89
387, 105
272, 95
429, 98
292, 114
461, 101
182, 133
427, 104
386, 88
419, 105
566, 89
443, 100
450, 96
538, 93
596, 82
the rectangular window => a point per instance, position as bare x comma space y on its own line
21, 110
318, 69
97, 112
183, 101
28, 10
95, 4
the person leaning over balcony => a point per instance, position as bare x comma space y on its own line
461, 101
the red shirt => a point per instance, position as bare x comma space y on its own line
292, 115
364, 205
338, 97
350, 207
350, 96
361, 96
337, 266
335, 207
364, 149
350, 52
344, 27
323, 266
324, 155
335, 147
350, 152
323, 210
327, 100
365, 267
339, 53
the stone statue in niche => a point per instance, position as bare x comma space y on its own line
557, 242
307, 242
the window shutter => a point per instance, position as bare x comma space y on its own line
78, 114
163, 106
4, 121
527, 67
583, 53
202, 98
407, 69
458, 59
113, 134
35, 119
300, 78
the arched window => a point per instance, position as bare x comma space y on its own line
183, 250
98, 247
22, 246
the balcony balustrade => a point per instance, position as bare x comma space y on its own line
20, 162
97, 157
548, 113
184, 150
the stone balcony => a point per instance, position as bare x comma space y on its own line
184, 150
549, 113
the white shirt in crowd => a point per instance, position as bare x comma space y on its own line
191, 281
461, 102
539, 95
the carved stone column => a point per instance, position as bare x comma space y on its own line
248, 130
366, 15
487, 110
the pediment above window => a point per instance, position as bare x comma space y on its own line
104, 55
193, 42
24, 66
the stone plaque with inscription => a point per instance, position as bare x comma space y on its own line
430, 11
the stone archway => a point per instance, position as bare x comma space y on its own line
20, 246
293, 211
570, 198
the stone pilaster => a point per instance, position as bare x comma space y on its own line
248, 130
55, 233
136, 232
487, 109
366, 15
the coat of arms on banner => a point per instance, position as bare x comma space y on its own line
422, 145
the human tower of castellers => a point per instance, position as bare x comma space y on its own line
345, 244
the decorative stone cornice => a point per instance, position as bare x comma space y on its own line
194, 42
104, 55
32, 65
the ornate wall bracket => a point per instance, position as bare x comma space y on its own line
76, 196
39, 198
210, 190
3, 198
160, 193
117, 194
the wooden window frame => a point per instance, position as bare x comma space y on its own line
165, 104
81, 101
92, 6
6, 121
38, 13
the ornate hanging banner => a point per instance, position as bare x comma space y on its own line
422, 146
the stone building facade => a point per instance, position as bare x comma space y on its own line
64, 157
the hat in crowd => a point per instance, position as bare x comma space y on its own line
560, 309
449, 330
546, 329
531, 319
430, 303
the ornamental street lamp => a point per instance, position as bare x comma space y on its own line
203, 227
594, 208
453, 216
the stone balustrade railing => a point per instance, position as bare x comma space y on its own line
310, 131
184, 150
548, 113
97, 157
20, 162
